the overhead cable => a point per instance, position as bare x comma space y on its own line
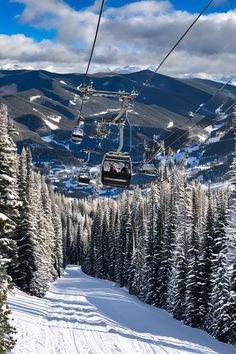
147, 82
92, 50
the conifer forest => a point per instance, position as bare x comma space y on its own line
173, 244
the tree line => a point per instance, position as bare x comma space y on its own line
172, 245
35, 224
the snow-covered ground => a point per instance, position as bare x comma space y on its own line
55, 118
51, 125
170, 125
80, 314
33, 98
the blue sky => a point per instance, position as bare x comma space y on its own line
57, 34
10, 24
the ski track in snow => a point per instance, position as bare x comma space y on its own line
84, 315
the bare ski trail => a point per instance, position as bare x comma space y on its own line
84, 315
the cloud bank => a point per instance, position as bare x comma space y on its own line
137, 34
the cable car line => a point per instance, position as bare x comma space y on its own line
217, 91
147, 82
187, 131
229, 139
197, 111
78, 132
92, 50
205, 104
120, 175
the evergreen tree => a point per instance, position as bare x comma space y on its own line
151, 237
129, 247
119, 256
111, 240
105, 241
192, 316
9, 199
220, 295
138, 259
97, 234
57, 226
206, 262
25, 234
177, 303
168, 248
7, 331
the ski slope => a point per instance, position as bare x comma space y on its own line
80, 314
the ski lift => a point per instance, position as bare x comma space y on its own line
148, 169
84, 176
116, 170
78, 132
102, 130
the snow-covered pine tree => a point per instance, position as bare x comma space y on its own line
7, 331
177, 303
217, 318
105, 241
150, 269
129, 247
97, 234
168, 247
224, 313
138, 259
206, 262
25, 233
57, 225
192, 316
79, 241
111, 238
42, 277
9, 199
8, 213
118, 245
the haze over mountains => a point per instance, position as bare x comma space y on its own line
44, 106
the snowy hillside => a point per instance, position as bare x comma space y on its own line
81, 314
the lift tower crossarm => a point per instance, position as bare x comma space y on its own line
89, 91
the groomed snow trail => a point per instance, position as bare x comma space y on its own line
84, 315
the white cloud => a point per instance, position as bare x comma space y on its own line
135, 34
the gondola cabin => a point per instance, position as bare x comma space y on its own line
78, 133
84, 176
148, 169
116, 170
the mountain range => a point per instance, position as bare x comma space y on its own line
188, 114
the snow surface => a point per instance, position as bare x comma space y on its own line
51, 125
48, 138
191, 114
84, 315
107, 111
213, 140
199, 107
170, 125
33, 98
3, 217
55, 118
193, 148
219, 109
6, 178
